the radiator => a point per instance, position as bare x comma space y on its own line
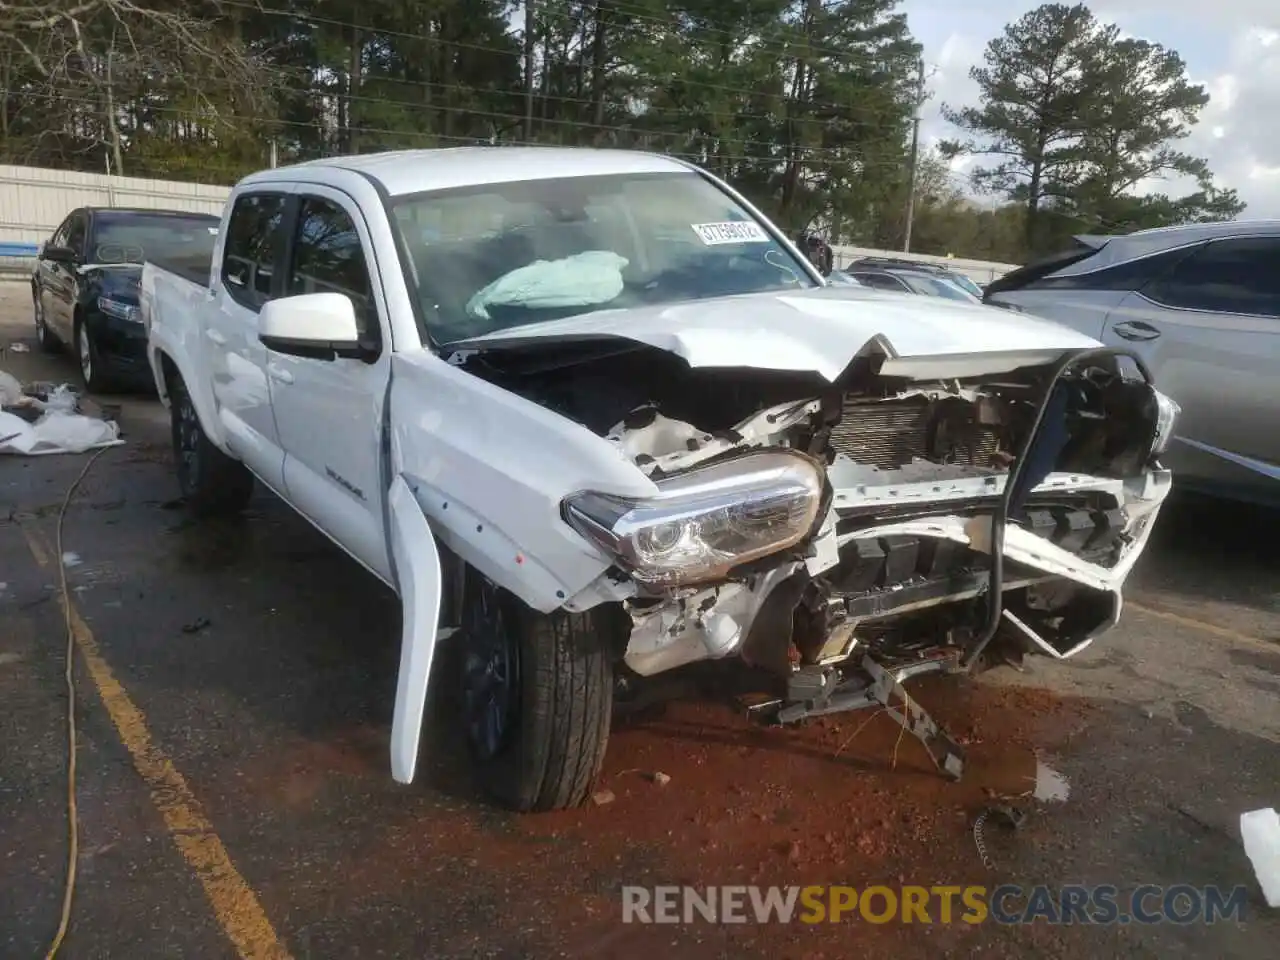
891, 433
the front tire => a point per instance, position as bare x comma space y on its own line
212, 483
537, 694
93, 369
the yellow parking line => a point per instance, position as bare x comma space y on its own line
34, 542
1193, 624
234, 904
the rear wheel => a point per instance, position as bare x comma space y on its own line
212, 483
45, 337
537, 692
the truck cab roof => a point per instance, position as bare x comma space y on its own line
405, 172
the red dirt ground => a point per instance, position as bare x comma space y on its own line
819, 803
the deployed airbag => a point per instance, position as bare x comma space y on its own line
585, 279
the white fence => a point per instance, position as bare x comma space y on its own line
33, 201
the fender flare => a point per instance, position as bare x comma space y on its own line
420, 583
200, 389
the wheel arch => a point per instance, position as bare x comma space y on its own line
168, 370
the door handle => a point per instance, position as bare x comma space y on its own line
1135, 330
214, 336
279, 373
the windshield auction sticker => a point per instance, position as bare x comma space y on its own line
733, 231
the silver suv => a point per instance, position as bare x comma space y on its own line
1201, 305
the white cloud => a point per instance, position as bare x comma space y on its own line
949, 83
1230, 46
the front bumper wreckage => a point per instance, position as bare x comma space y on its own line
1078, 534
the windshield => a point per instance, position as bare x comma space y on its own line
936, 287
881, 281
120, 237
502, 255
964, 283
953, 291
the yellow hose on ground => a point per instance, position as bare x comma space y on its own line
73, 828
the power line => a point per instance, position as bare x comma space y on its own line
514, 120
650, 110
210, 115
307, 18
214, 117
776, 46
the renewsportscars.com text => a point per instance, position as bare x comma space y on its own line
1008, 904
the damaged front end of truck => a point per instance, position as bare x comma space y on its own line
846, 534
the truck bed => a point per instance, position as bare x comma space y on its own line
192, 268
173, 293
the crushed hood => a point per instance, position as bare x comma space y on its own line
821, 330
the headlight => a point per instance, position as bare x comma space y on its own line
118, 309
705, 522
1167, 411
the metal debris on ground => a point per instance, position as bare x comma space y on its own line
1007, 816
196, 625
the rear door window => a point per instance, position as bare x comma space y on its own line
1226, 276
1130, 275
255, 243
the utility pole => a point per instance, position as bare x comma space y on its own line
528, 70
275, 153
915, 152
111, 190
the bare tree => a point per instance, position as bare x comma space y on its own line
109, 70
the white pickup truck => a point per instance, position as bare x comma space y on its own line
594, 417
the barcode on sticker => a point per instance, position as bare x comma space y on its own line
733, 231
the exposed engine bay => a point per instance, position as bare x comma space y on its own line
891, 572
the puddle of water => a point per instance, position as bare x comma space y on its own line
1050, 784
70, 559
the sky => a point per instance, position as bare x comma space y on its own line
1232, 47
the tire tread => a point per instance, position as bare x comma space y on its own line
568, 697
225, 485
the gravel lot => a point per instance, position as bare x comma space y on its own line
259, 663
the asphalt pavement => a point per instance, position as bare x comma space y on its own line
233, 690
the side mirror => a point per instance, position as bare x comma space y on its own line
317, 326
58, 254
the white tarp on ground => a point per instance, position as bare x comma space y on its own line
58, 429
